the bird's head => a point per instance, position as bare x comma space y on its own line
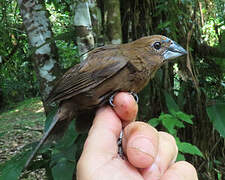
159, 47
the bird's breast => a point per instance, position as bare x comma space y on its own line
140, 80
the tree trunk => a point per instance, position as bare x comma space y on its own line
112, 21
83, 28
45, 57
96, 19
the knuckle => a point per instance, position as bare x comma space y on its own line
166, 137
188, 169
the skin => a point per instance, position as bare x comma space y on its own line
150, 153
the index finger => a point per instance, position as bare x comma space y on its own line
125, 107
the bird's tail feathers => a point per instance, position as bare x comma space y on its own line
42, 141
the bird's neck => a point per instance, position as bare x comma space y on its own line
140, 57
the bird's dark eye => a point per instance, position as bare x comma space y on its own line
157, 45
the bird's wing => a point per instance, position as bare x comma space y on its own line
100, 65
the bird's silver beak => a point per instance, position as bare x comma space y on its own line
174, 50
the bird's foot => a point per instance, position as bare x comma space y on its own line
112, 98
135, 96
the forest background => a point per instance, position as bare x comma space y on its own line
40, 40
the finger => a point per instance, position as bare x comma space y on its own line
125, 107
140, 144
181, 170
103, 135
101, 143
167, 153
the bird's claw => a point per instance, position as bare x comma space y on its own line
111, 100
135, 96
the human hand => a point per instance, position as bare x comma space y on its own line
150, 154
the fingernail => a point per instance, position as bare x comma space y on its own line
143, 144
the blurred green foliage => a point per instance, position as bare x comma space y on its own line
18, 80
216, 114
174, 121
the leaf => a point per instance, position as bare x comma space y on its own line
64, 163
63, 170
68, 139
180, 157
216, 114
171, 104
2, 133
11, 170
170, 122
64, 154
189, 148
184, 117
154, 122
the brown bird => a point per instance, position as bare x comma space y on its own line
106, 71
